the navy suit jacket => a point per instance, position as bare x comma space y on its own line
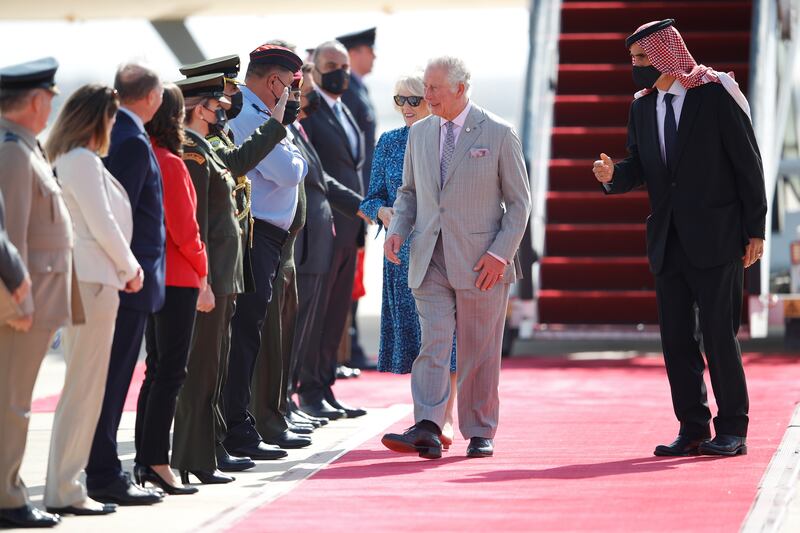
132, 161
357, 100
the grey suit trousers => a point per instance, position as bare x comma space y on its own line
477, 317
21, 355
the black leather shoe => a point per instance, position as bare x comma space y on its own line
682, 446
123, 492
228, 463
345, 372
303, 416
728, 445
108, 508
260, 452
480, 447
206, 478
289, 440
422, 438
351, 412
323, 409
27, 516
300, 429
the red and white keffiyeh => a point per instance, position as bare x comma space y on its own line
668, 53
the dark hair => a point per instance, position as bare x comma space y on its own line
261, 70
85, 117
166, 126
134, 82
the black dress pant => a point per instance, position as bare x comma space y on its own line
104, 466
310, 288
168, 337
319, 373
718, 294
248, 320
199, 421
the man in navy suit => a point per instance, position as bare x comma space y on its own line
132, 161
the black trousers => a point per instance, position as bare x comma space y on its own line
718, 294
199, 422
104, 466
168, 337
248, 320
308, 327
319, 374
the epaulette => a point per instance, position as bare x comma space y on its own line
193, 156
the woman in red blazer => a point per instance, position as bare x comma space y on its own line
169, 331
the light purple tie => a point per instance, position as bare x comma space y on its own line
447, 151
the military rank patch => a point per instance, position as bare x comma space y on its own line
214, 141
192, 156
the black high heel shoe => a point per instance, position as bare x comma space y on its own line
145, 474
206, 478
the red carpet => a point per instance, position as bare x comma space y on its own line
593, 269
48, 404
574, 453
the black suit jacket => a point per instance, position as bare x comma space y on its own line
314, 246
357, 99
715, 195
131, 160
331, 144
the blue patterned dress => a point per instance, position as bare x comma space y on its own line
400, 332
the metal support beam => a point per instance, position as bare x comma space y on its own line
177, 37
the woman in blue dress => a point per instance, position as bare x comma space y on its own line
400, 330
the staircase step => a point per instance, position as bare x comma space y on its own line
627, 16
616, 78
596, 207
572, 175
601, 240
587, 142
592, 110
594, 273
597, 307
708, 47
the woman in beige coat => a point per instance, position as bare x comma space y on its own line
104, 264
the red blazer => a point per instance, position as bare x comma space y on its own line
186, 254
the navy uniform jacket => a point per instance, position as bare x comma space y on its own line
715, 195
131, 160
357, 99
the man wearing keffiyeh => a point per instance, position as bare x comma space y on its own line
690, 142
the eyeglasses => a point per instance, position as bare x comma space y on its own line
413, 101
293, 91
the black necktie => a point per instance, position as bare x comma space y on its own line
670, 132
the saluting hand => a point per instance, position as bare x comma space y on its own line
753, 252
280, 107
603, 169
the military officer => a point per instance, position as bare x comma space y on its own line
198, 423
39, 226
239, 160
361, 50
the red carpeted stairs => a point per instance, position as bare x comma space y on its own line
594, 270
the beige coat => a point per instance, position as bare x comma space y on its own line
39, 225
482, 207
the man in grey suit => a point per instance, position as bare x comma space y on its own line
466, 197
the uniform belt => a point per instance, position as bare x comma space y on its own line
271, 230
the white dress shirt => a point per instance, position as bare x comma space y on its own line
661, 111
458, 125
349, 128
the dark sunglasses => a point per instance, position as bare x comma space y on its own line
413, 101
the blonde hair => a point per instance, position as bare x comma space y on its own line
412, 83
84, 118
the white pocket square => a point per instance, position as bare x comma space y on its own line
478, 152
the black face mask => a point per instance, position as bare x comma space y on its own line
291, 112
645, 77
336, 81
219, 125
237, 102
313, 98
